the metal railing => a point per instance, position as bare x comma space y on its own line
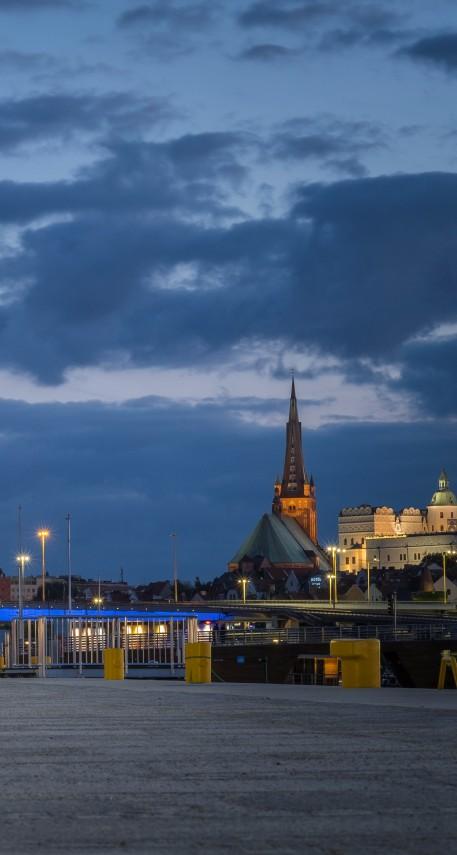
302, 635
67, 642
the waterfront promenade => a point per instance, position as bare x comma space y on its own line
143, 766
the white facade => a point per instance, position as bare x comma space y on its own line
382, 536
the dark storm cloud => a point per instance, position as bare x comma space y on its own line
287, 13
267, 53
145, 468
45, 117
329, 25
22, 61
186, 175
168, 28
368, 263
168, 14
37, 5
428, 374
439, 50
334, 143
342, 38
291, 14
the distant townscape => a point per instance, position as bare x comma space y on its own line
410, 554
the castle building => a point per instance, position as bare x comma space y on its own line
287, 538
384, 537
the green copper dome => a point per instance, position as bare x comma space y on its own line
444, 495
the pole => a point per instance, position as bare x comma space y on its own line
395, 614
444, 580
335, 577
43, 568
68, 518
175, 566
368, 582
19, 529
20, 598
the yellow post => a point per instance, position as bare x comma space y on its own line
360, 662
448, 660
2, 663
198, 662
113, 663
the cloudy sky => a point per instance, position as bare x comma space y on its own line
197, 196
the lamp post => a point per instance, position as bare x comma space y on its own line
329, 577
368, 579
22, 559
334, 551
243, 582
98, 600
445, 554
175, 566
43, 535
68, 519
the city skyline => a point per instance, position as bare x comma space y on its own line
196, 198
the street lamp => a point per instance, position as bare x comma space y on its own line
43, 534
22, 559
244, 583
330, 577
368, 579
334, 551
445, 554
175, 566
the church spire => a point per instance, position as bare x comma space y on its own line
294, 475
294, 496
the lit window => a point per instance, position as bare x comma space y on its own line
347, 560
345, 541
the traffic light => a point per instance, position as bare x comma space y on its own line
390, 604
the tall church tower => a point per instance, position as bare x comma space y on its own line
295, 494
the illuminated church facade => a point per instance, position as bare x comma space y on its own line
287, 537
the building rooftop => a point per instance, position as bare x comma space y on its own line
282, 541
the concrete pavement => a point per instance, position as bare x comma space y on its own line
142, 766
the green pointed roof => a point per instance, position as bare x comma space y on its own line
281, 540
305, 541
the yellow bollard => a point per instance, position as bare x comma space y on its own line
2, 663
360, 662
198, 662
113, 663
448, 660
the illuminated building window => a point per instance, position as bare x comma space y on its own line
347, 560
346, 543
441, 515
